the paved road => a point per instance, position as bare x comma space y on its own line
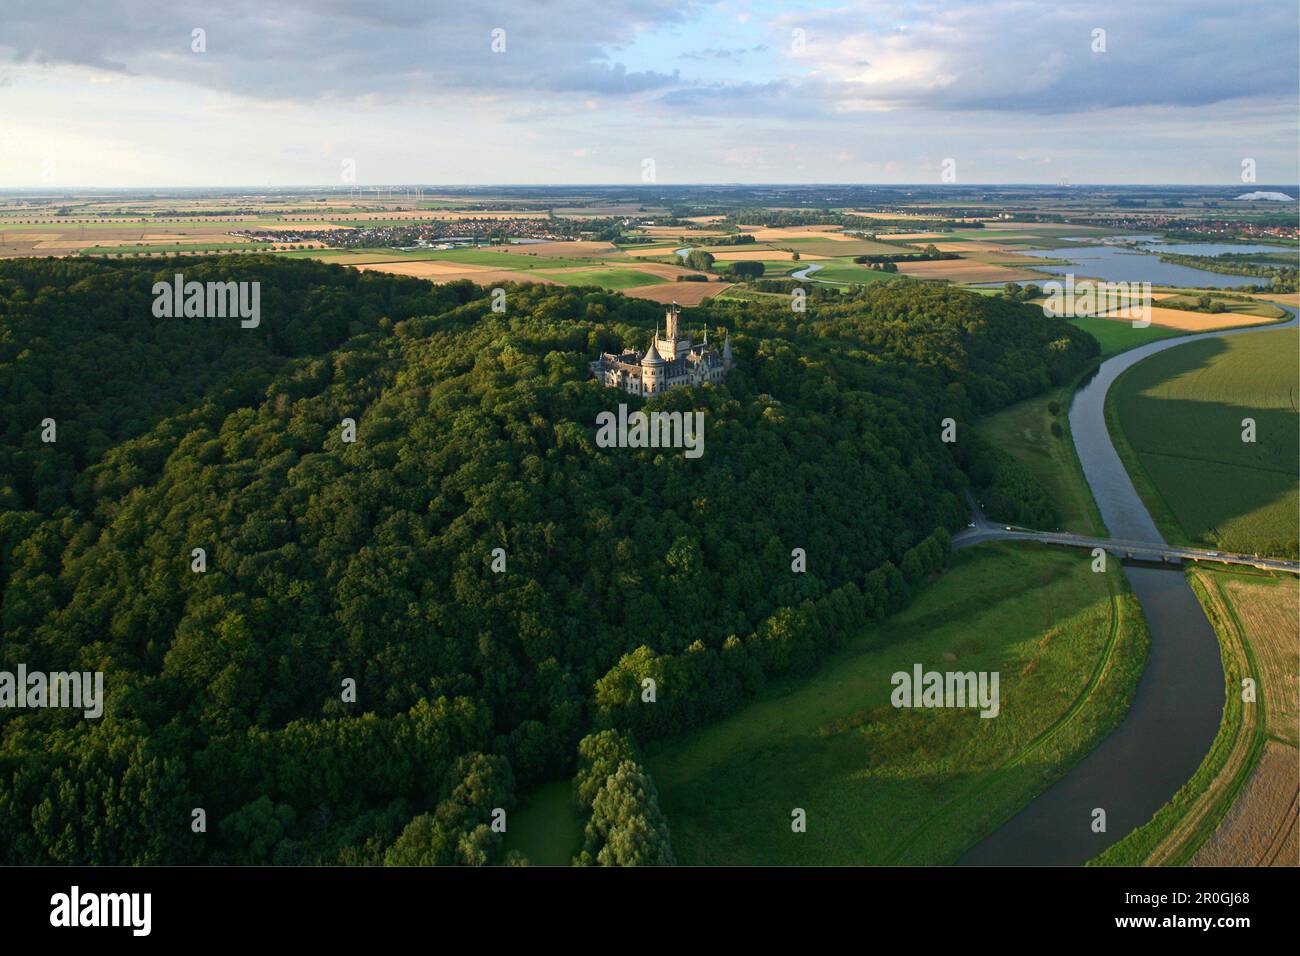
1134, 550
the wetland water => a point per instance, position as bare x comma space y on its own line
1179, 701
1113, 263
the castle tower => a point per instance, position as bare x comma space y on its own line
652, 369
673, 345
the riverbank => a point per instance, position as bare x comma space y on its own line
1176, 713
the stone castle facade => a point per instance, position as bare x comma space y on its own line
672, 360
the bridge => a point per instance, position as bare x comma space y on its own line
983, 530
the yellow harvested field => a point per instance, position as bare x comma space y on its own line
1270, 614
1186, 321
1285, 298
964, 270
1261, 827
683, 293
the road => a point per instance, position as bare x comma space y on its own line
985, 530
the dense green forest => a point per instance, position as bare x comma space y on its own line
330, 562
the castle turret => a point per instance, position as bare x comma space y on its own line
652, 370
726, 352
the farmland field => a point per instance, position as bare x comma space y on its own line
499, 260
882, 785
1240, 807
1182, 320
612, 279
1116, 337
1261, 827
850, 273
1178, 420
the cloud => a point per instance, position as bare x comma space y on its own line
585, 88
860, 55
1018, 56
382, 49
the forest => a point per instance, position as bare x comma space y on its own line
349, 676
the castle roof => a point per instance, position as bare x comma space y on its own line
652, 357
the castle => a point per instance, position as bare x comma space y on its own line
671, 361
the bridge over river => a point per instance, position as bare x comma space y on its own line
1178, 704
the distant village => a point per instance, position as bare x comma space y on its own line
445, 233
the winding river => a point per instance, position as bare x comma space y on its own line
1179, 700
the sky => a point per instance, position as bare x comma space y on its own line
129, 93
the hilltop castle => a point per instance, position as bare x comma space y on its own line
672, 360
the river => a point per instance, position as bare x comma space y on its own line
1179, 700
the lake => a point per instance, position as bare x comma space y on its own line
1118, 264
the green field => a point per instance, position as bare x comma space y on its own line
882, 785
772, 268
1116, 337
1176, 419
612, 279
739, 293
847, 271
497, 260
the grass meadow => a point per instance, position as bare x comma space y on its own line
894, 786
1024, 431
